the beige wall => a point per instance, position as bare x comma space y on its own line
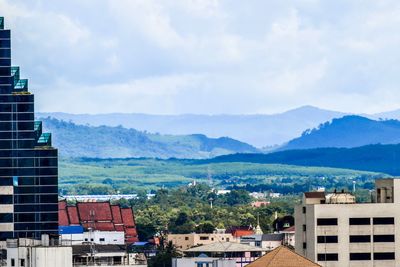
343, 212
186, 241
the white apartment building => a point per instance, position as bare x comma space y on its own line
334, 231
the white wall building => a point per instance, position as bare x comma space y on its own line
96, 237
31, 253
334, 231
203, 262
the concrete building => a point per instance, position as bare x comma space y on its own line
186, 241
75, 235
265, 241
240, 253
333, 230
203, 261
36, 253
106, 255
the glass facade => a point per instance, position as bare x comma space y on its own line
28, 162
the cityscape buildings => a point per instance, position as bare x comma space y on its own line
28, 162
333, 230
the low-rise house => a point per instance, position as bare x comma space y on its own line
99, 216
106, 255
242, 254
75, 235
203, 261
289, 238
265, 241
186, 241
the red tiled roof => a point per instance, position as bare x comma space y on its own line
105, 226
94, 211
242, 232
73, 215
131, 235
116, 213
127, 217
63, 218
100, 216
62, 205
119, 227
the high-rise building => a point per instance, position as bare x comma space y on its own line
28, 162
333, 230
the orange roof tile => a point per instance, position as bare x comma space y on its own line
282, 257
94, 211
73, 215
116, 213
127, 217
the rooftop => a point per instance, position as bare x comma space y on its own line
282, 257
224, 247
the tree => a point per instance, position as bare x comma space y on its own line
205, 228
165, 254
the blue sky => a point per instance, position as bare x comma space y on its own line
207, 56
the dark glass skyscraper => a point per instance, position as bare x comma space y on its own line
28, 162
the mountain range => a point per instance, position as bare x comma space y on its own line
257, 130
74, 140
347, 132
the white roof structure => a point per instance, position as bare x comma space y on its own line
225, 247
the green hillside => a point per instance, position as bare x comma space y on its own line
74, 140
348, 132
92, 176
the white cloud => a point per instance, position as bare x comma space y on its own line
207, 56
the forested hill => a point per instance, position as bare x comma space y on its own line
117, 142
376, 158
347, 132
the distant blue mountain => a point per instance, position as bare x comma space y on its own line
348, 132
257, 130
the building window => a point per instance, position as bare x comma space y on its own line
212, 238
383, 238
327, 221
304, 209
186, 238
203, 237
327, 239
360, 256
22, 262
304, 227
304, 245
360, 238
384, 220
328, 257
102, 239
12, 262
86, 239
360, 221
227, 239
384, 256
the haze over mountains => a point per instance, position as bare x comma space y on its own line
257, 130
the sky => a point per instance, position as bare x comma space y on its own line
207, 56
